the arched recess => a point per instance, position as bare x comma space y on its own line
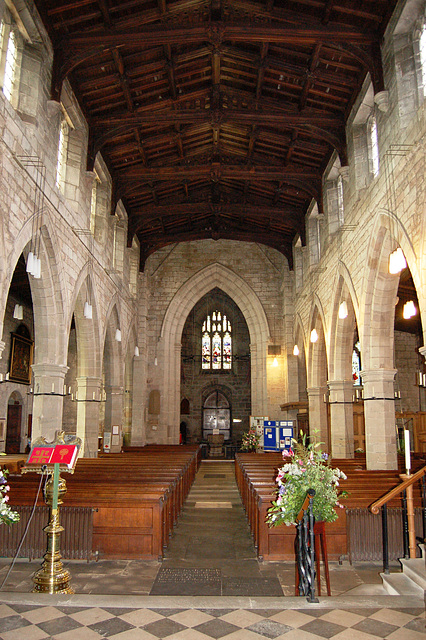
112, 375
376, 323
49, 330
214, 275
343, 331
14, 423
317, 377
83, 378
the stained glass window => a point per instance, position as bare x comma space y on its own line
216, 342
356, 363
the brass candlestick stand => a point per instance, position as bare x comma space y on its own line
55, 457
52, 577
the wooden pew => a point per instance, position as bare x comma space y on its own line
137, 496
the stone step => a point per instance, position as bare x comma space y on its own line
415, 569
398, 584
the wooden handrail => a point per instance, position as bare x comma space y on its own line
375, 507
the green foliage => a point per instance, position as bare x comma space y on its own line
306, 467
250, 441
7, 515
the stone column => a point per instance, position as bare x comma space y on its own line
379, 412
88, 400
114, 414
318, 414
341, 418
139, 402
48, 400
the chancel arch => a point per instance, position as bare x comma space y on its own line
214, 275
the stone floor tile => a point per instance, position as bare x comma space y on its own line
398, 618
42, 614
353, 634
163, 628
189, 634
191, 617
345, 618
91, 616
297, 634
417, 624
216, 628
244, 634
141, 617
133, 634
269, 628
6, 611
14, 621
110, 627
376, 628
292, 618
322, 628
242, 618
315, 613
59, 625
31, 633
406, 634
82, 633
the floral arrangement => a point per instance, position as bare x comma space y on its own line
250, 440
306, 467
7, 515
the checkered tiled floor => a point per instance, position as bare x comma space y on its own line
310, 622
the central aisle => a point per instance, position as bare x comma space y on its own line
211, 551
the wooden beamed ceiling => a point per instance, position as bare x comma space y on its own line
216, 118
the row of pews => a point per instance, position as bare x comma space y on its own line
136, 497
255, 476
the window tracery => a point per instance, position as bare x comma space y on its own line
216, 342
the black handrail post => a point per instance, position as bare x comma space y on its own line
385, 539
405, 524
311, 597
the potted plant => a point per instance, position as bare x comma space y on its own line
306, 467
250, 441
7, 515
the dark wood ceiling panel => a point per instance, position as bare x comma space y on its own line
216, 119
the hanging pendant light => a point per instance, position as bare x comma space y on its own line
136, 351
275, 362
296, 350
88, 311
118, 335
18, 312
343, 310
397, 261
314, 335
409, 310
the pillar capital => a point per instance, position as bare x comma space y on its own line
378, 375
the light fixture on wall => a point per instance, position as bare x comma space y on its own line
118, 335
296, 350
314, 335
397, 261
409, 310
137, 351
18, 312
343, 310
275, 362
88, 310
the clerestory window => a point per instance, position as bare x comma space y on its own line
216, 342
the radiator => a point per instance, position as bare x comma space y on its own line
364, 534
75, 541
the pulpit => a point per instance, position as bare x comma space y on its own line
215, 441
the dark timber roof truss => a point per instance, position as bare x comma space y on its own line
216, 119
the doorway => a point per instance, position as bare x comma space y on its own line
217, 415
13, 427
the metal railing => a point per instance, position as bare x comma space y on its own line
405, 489
305, 542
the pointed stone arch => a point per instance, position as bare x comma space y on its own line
214, 275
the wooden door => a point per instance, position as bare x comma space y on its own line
13, 428
359, 426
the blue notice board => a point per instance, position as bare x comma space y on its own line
277, 435
269, 437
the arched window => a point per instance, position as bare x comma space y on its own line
374, 146
216, 342
356, 363
422, 47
